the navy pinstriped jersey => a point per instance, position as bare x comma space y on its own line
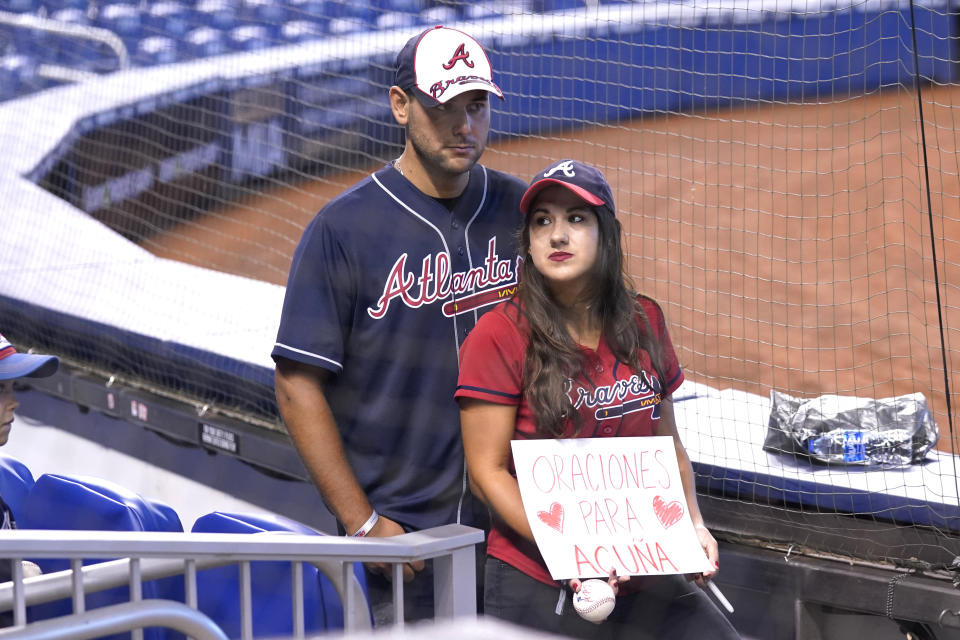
384, 286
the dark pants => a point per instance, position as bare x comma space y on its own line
417, 597
670, 607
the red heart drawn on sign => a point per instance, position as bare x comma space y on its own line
554, 517
669, 513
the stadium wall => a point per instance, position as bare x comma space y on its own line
302, 105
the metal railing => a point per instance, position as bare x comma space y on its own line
121, 617
81, 32
146, 556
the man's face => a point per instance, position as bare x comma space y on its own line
450, 138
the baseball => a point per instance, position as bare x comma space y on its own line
595, 600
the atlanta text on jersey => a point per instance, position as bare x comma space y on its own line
436, 282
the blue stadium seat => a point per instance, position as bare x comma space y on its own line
205, 42
342, 26
311, 10
235, 522
216, 14
8, 35
249, 37
77, 53
397, 20
62, 502
218, 589
16, 480
156, 50
66, 502
482, 10
401, 6
439, 14
20, 6
40, 45
169, 18
124, 19
302, 31
348, 16
18, 75
266, 13
53, 6
557, 5
73, 15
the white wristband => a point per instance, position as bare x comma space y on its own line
367, 526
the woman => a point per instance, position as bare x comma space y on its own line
575, 325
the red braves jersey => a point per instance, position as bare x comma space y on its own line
611, 399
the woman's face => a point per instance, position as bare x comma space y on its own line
564, 241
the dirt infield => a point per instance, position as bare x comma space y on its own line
789, 245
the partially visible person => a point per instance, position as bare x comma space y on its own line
575, 330
14, 366
386, 282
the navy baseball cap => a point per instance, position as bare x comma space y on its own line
15, 365
440, 63
582, 179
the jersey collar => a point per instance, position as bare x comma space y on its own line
464, 211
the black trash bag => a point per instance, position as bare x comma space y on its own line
847, 430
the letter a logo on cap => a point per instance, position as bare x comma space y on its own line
566, 166
421, 66
460, 54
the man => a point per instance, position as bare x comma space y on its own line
14, 366
385, 284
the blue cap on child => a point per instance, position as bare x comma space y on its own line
15, 365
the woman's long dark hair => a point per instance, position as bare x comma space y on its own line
553, 358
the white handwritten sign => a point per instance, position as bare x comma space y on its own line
596, 504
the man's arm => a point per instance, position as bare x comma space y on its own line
306, 413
